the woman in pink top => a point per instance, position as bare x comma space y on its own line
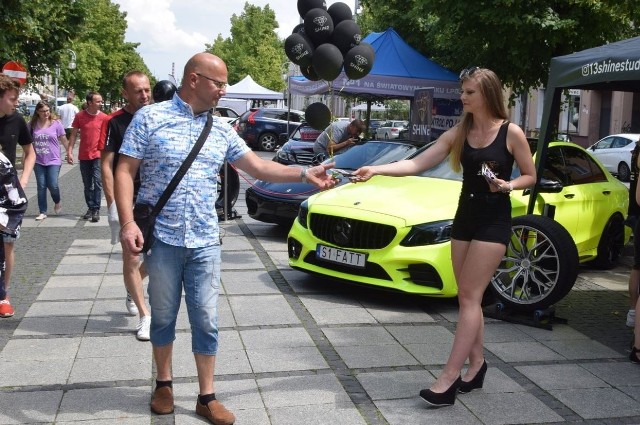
48, 134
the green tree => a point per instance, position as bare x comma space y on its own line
37, 32
103, 56
515, 38
397, 109
41, 33
253, 48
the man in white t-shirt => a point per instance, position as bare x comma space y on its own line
67, 113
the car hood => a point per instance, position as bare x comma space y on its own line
294, 144
411, 200
294, 190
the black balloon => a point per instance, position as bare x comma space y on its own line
327, 61
309, 73
306, 5
318, 26
163, 90
298, 49
358, 61
318, 116
340, 12
299, 29
346, 35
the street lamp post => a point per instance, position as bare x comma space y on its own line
72, 66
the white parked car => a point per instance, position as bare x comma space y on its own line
390, 129
614, 152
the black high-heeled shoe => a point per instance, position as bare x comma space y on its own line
476, 382
447, 398
633, 356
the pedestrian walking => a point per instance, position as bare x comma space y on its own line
67, 113
88, 123
13, 131
136, 90
48, 134
186, 252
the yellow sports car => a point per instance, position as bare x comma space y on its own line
394, 232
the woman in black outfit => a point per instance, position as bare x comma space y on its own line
484, 145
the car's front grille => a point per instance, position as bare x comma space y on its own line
305, 158
351, 233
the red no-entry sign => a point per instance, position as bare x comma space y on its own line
15, 70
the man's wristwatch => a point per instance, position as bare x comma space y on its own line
303, 175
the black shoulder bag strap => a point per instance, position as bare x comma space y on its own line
184, 167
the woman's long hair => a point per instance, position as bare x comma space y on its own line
491, 90
34, 119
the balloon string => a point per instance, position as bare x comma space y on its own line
331, 144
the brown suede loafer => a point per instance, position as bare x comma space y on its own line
162, 401
216, 413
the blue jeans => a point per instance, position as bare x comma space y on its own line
197, 270
47, 178
92, 181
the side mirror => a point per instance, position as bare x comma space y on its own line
550, 186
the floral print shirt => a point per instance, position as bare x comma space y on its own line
162, 135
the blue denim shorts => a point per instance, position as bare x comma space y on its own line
197, 270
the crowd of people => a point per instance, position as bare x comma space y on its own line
132, 154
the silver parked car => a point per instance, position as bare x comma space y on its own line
390, 129
614, 152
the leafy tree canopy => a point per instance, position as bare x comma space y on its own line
36, 32
44, 34
253, 48
103, 55
515, 38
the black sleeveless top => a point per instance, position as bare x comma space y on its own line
496, 156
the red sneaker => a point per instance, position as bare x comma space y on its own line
5, 308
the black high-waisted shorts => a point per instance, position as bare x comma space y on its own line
484, 217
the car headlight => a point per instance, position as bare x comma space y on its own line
284, 155
428, 233
303, 212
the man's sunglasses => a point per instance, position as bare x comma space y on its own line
468, 72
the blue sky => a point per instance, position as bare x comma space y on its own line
171, 31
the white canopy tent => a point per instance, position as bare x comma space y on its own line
28, 97
247, 88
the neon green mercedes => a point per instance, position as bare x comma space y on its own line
394, 232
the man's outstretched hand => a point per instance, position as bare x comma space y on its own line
318, 176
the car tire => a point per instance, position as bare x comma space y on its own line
624, 173
540, 272
268, 142
233, 189
611, 243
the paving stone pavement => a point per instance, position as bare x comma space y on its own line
294, 349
